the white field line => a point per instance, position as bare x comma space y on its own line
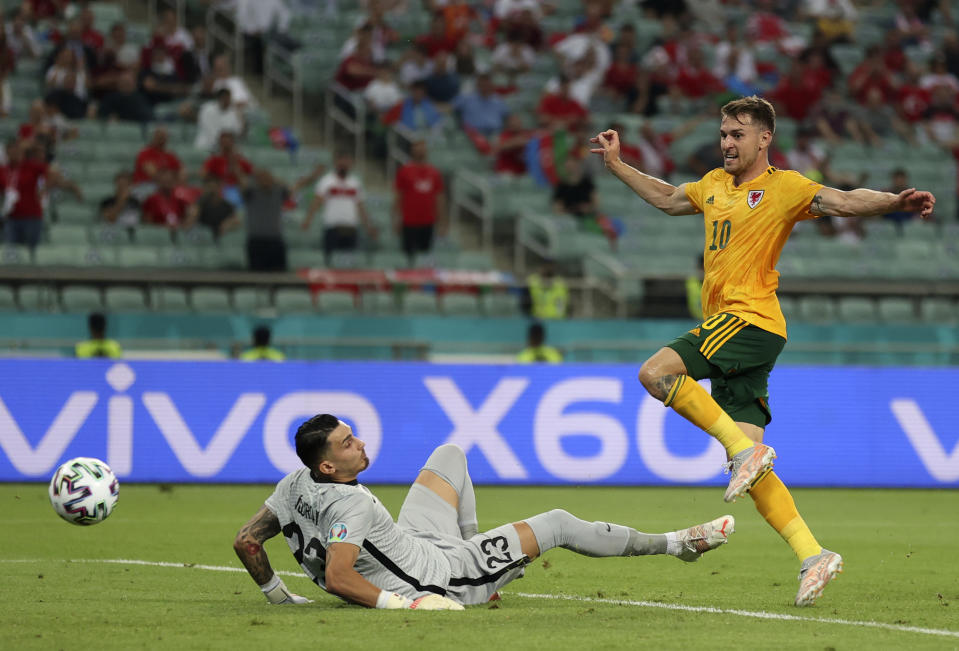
755, 614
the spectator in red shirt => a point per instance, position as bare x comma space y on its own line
23, 179
622, 75
165, 207
436, 40
510, 145
695, 80
151, 159
417, 208
90, 36
913, 99
871, 73
227, 165
357, 70
42, 9
795, 94
559, 109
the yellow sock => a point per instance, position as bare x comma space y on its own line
695, 405
774, 503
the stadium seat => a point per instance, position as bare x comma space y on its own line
457, 304
75, 213
11, 254
380, 303
8, 299
336, 302
936, 310
816, 309
52, 255
502, 304
214, 300
789, 307
109, 235
248, 300
67, 234
169, 299
138, 257
36, 298
389, 260
420, 302
897, 310
153, 236
348, 259
304, 259
854, 309
916, 229
125, 299
198, 236
81, 299
289, 300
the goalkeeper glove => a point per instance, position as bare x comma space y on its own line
277, 593
393, 601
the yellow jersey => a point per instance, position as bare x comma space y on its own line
746, 229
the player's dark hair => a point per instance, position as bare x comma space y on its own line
536, 334
758, 109
312, 439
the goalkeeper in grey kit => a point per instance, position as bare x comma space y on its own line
432, 557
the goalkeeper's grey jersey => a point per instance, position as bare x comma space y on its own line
314, 515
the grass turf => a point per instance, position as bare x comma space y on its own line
899, 548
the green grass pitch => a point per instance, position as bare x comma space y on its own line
900, 549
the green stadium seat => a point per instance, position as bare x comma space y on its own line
420, 302
305, 259
153, 236
248, 300
290, 300
108, 235
75, 213
169, 299
53, 255
456, 304
11, 254
379, 302
81, 299
67, 234
336, 302
897, 310
8, 299
125, 299
215, 300
854, 309
790, 307
389, 260
36, 298
937, 310
816, 309
138, 257
198, 236
917, 229
501, 304
348, 260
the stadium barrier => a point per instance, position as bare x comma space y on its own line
571, 424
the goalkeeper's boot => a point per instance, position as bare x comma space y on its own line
698, 540
747, 468
816, 572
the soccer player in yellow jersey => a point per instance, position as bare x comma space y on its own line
749, 209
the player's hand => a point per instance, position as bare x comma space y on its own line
608, 142
435, 602
920, 201
293, 599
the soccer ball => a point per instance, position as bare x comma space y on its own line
84, 491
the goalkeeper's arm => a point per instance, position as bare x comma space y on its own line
248, 545
344, 581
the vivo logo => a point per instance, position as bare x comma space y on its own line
200, 462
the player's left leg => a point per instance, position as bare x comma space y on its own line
444, 476
558, 528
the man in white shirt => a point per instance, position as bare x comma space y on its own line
223, 77
216, 116
340, 193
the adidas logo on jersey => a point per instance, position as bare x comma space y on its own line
710, 200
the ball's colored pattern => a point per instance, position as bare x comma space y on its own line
84, 491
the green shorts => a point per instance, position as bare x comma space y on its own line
737, 357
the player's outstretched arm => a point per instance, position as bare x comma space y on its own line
870, 203
344, 581
248, 546
670, 199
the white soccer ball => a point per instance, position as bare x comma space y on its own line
84, 491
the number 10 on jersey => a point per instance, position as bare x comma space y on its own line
724, 231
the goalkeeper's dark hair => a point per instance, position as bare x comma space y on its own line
312, 439
758, 109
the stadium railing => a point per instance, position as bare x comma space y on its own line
347, 111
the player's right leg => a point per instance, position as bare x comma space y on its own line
671, 378
558, 528
443, 478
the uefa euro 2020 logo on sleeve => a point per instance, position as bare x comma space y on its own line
337, 533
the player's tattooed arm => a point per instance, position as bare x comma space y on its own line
248, 544
868, 203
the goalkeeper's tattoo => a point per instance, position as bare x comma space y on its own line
249, 544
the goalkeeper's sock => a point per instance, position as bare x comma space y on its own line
557, 528
692, 402
774, 503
